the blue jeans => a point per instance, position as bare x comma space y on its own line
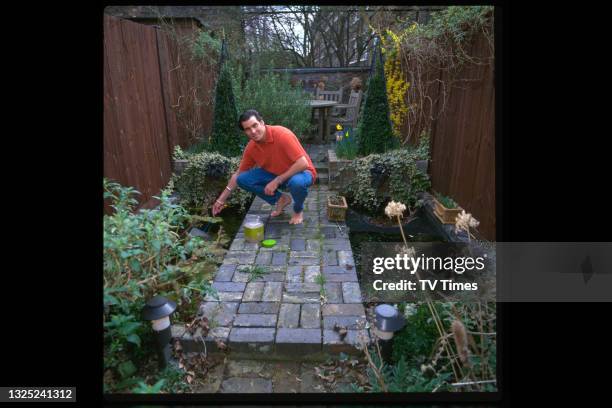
255, 180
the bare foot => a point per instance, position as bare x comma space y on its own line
282, 202
297, 218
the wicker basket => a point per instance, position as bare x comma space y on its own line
446, 215
336, 212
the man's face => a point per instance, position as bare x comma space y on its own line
254, 129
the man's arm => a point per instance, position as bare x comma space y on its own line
299, 165
220, 202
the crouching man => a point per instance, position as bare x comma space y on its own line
273, 159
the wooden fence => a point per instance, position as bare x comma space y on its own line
463, 136
145, 83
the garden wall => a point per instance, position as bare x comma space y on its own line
143, 89
333, 78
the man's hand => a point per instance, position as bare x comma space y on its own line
271, 187
217, 207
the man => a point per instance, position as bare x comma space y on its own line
281, 163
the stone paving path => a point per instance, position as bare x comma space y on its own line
309, 289
265, 376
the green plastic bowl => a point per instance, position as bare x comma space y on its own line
268, 243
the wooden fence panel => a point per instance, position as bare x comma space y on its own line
136, 151
463, 142
185, 81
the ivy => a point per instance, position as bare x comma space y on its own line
204, 178
383, 177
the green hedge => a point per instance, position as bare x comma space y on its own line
382, 177
204, 178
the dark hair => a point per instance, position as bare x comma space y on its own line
246, 115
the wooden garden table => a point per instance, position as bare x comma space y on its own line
324, 108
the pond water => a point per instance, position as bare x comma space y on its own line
232, 220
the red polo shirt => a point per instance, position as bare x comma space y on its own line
277, 153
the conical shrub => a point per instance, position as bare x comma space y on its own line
374, 128
226, 138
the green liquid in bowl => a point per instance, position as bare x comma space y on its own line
254, 233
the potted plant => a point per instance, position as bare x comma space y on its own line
446, 209
336, 208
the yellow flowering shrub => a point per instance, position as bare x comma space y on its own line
396, 83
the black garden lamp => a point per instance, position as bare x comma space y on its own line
158, 310
388, 321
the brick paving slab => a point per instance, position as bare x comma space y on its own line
310, 317
351, 292
283, 310
254, 335
342, 309
333, 292
255, 320
253, 292
222, 313
311, 272
259, 307
273, 292
302, 287
229, 286
301, 298
348, 322
225, 273
289, 315
237, 385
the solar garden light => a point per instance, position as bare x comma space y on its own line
158, 310
388, 321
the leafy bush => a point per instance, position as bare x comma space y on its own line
205, 47
226, 138
278, 102
347, 147
144, 255
422, 151
421, 359
401, 377
204, 178
179, 154
374, 127
383, 177
416, 340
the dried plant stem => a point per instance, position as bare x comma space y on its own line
375, 369
402, 230
440, 328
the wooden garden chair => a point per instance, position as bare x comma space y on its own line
351, 115
335, 96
